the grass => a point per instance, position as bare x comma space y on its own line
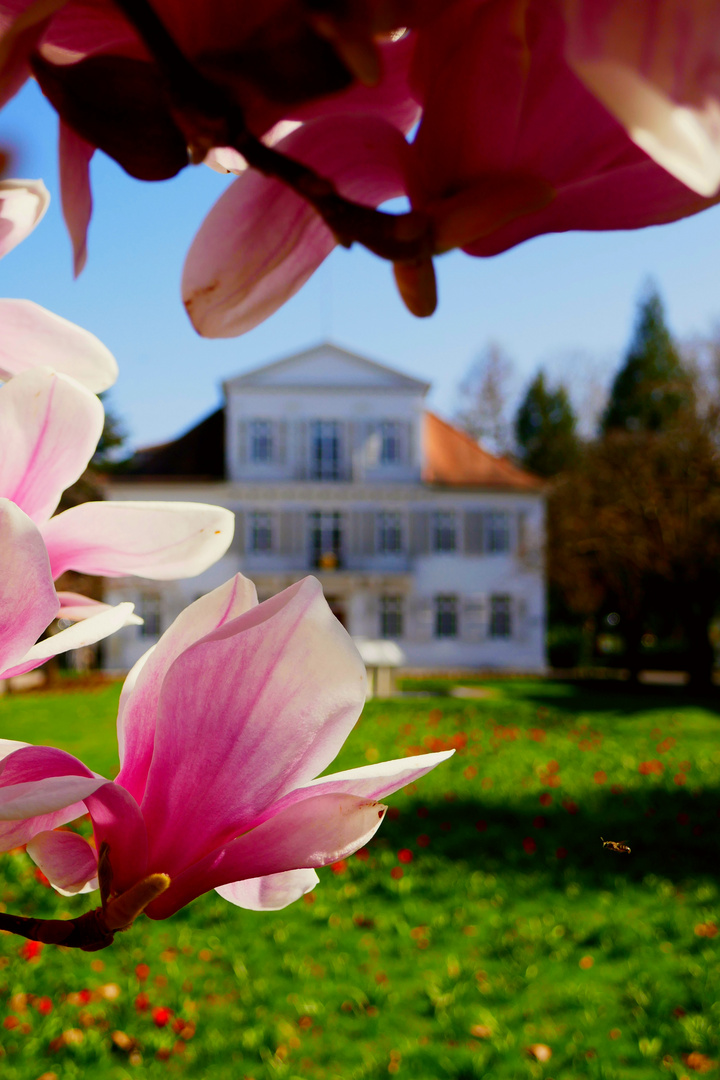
483, 920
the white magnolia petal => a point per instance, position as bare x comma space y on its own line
22, 205
157, 540
83, 633
32, 337
50, 427
269, 893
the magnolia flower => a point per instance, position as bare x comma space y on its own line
29, 603
511, 145
222, 730
51, 426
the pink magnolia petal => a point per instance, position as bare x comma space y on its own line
22, 205
269, 893
316, 832
238, 272
38, 780
392, 99
51, 426
88, 632
258, 707
28, 602
32, 337
16, 833
75, 192
633, 197
66, 860
373, 782
40, 788
150, 539
118, 822
654, 65
137, 712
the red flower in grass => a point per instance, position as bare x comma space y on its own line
44, 1005
142, 1002
529, 845
142, 971
405, 855
339, 867
30, 950
161, 1015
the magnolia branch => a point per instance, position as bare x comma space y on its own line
208, 119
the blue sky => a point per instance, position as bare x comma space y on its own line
551, 301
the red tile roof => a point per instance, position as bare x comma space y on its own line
454, 459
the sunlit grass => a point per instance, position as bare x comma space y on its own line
484, 920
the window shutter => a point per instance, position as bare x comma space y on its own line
371, 616
473, 538
419, 532
242, 447
302, 453
421, 618
280, 441
372, 444
367, 532
291, 532
238, 544
518, 619
473, 618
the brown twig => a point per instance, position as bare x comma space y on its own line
208, 118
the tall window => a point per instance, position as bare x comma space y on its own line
500, 617
497, 531
389, 533
444, 530
325, 539
390, 442
391, 616
261, 440
261, 538
446, 619
325, 450
149, 610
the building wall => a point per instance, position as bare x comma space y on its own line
477, 578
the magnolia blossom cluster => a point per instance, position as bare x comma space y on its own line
223, 726
498, 120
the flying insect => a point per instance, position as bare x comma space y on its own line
618, 846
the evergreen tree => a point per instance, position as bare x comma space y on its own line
545, 428
652, 386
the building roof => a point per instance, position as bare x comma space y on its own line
199, 454
325, 367
454, 459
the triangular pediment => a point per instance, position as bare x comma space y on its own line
329, 367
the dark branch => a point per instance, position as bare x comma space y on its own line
208, 118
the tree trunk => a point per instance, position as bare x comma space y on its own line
702, 654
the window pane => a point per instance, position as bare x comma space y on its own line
389, 532
325, 450
444, 530
391, 617
446, 621
149, 610
325, 539
500, 617
498, 531
260, 531
261, 443
390, 447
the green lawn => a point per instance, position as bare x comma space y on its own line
484, 919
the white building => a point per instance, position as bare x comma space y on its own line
334, 467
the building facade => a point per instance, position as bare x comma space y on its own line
334, 467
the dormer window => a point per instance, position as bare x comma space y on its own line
390, 442
261, 441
